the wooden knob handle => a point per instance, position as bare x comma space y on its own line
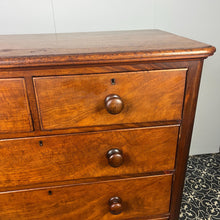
115, 205
115, 157
114, 104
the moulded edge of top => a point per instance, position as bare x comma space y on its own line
105, 58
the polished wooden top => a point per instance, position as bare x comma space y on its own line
97, 47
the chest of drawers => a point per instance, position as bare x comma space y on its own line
96, 125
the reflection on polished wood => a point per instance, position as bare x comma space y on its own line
96, 125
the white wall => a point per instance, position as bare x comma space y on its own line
199, 20
196, 19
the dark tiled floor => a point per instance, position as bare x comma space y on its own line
201, 194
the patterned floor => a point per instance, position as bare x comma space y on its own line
201, 195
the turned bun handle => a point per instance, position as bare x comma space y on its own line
115, 205
115, 157
114, 104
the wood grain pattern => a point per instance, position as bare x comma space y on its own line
33, 103
14, 107
93, 69
164, 218
90, 201
68, 176
97, 47
191, 95
67, 157
28, 73
78, 101
87, 129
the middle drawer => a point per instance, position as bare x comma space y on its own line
67, 157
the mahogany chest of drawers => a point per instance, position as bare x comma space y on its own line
96, 125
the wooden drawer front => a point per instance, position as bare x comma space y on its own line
72, 101
67, 157
140, 197
14, 108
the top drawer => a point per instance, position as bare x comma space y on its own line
14, 106
80, 100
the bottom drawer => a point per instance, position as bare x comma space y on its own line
140, 197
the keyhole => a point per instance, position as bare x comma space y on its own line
41, 143
113, 81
